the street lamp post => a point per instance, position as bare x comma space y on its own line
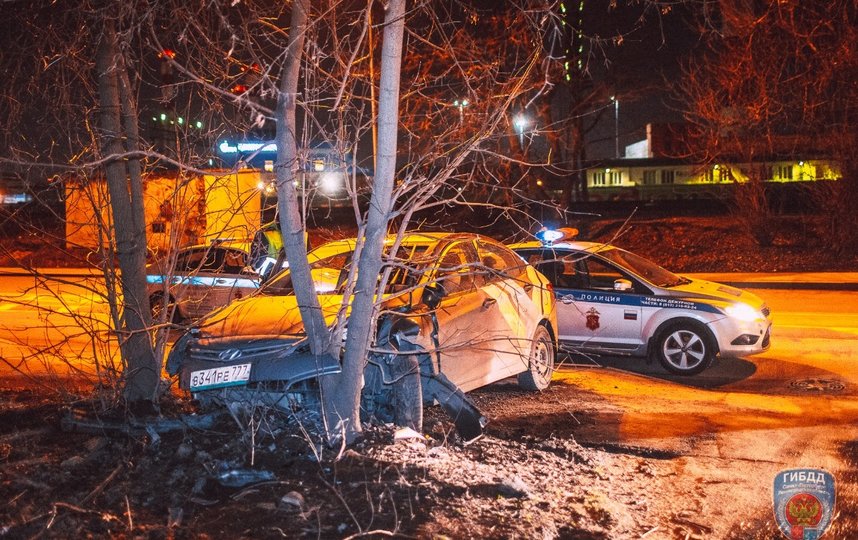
616, 125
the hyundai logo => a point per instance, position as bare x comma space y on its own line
229, 354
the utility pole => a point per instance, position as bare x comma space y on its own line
616, 125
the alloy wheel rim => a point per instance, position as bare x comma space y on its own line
684, 349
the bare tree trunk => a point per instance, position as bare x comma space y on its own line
291, 226
362, 319
141, 369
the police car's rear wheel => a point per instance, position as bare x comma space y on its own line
684, 349
540, 362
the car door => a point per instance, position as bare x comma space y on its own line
595, 314
210, 277
196, 272
466, 317
516, 316
591, 313
184, 286
232, 276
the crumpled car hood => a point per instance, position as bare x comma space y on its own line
261, 316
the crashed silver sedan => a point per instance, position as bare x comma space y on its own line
459, 311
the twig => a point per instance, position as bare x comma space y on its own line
370, 533
56, 505
687, 522
100, 487
252, 488
342, 500
130, 521
649, 532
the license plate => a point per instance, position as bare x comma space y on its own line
219, 377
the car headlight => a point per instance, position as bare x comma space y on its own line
744, 312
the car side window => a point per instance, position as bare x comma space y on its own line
189, 261
560, 268
497, 263
600, 275
234, 261
213, 261
406, 268
455, 272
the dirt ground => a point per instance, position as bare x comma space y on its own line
267, 480
67, 472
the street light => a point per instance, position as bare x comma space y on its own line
616, 125
520, 122
461, 104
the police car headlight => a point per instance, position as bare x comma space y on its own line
744, 312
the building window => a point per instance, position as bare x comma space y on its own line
614, 178
599, 178
784, 172
667, 176
649, 177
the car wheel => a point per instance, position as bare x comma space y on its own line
684, 349
540, 363
156, 306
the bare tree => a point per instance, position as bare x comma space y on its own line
119, 142
777, 79
80, 119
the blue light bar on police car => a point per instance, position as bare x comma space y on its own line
550, 236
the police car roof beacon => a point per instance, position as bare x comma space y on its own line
551, 236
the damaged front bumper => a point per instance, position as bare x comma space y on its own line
263, 365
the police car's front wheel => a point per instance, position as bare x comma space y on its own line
684, 349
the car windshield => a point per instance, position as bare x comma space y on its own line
645, 268
330, 275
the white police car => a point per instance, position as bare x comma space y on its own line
611, 301
198, 279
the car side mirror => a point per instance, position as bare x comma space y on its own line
432, 295
622, 285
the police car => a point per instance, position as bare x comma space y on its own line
198, 279
611, 301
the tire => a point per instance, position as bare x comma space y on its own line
540, 363
684, 349
156, 307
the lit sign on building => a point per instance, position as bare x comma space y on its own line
246, 147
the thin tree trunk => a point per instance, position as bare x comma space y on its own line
141, 369
362, 318
289, 212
